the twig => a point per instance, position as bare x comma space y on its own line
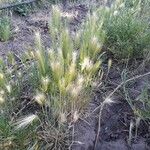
134, 78
99, 124
109, 96
120, 85
6, 6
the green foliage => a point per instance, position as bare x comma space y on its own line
140, 105
127, 30
5, 29
11, 138
144, 99
23, 10
5, 128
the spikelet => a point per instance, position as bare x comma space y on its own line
75, 116
108, 101
24, 122
8, 87
1, 76
2, 100
63, 118
40, 98
45, 83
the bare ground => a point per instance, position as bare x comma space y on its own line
115, 119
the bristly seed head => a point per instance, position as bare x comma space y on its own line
122, 5
8, 87
115, 13
56, 9
75, 116
2, 100
108, 101
1, 76
40, 98
63, 118
22, 123
87, 63
74, 57
45, 82
2, 92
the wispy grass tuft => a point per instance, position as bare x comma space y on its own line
5, 29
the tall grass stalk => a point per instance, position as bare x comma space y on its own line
5, 29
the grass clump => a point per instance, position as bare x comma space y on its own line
127, 29
66, 71
61, 79
23, 10
5, 29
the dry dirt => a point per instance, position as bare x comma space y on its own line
24, 28
115, 120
